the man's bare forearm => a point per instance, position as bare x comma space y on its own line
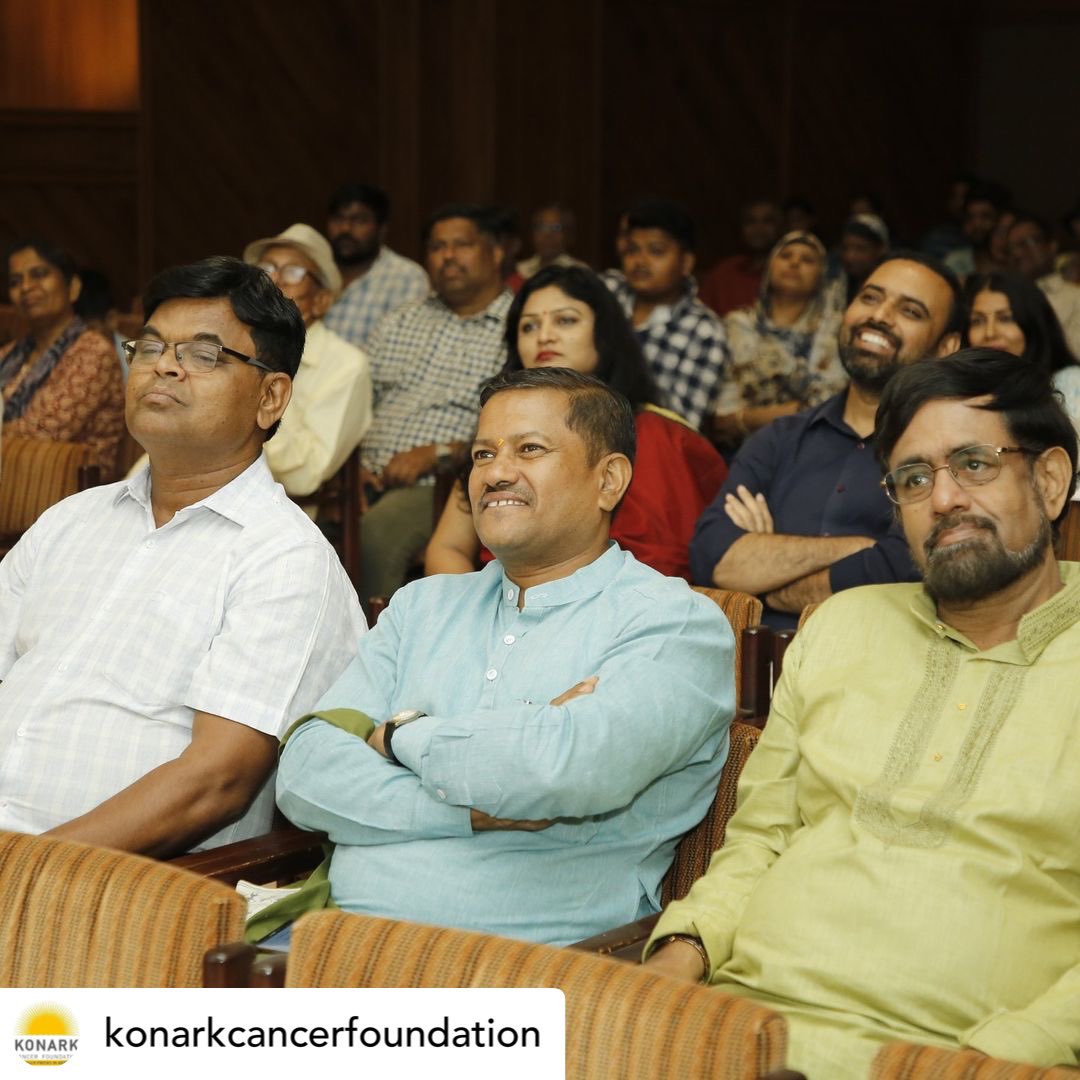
792, 598
764, 562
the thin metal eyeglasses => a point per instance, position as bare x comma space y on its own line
200, 356
970, 467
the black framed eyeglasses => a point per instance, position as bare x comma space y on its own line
197, 356
970, 467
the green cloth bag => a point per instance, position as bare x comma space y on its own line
314, 893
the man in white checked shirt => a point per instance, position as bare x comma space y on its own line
428, 362
158, 634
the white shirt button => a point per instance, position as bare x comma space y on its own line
491, 674
149, 544
440, 793
21, 732
509, 594
509, 639
61, 667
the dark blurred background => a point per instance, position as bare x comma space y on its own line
145, 132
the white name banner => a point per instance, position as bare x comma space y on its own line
284, 1034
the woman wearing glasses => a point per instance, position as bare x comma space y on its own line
1010, 313
62, 381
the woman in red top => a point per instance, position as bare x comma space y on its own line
564, 316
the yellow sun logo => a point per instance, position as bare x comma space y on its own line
46, 1035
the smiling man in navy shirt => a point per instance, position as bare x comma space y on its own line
802, 514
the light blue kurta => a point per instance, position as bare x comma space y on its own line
626, 770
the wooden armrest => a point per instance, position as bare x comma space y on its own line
281, 855
268, 971
622, 943
228, 965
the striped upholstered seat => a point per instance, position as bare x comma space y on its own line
621, 1020
75, 915
906, 1061
35, 474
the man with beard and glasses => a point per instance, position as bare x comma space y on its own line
907, 824
375, 279
801, 514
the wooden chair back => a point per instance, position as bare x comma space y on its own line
620, 1020
697, 846
36, 474
742, 611
75, 915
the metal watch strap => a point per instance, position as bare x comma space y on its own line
388, 734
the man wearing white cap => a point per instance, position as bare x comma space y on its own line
330, 409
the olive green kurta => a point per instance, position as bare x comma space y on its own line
905, 860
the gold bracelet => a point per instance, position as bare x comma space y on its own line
697, 944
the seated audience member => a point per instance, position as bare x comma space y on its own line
157, 634
735, 282
903, 864
798, 214
547, 728
1032, 251
802, 514
62, 381
330, 410
983, 206
429, 360
552, 236
508, 229
1008, 312
375, 279
864, 239
949, 235
565, 317
682, 339
783, 350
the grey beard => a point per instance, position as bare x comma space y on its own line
973, 570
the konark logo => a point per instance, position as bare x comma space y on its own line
46, 1034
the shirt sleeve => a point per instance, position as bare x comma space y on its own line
291, 625
664, 700
333, 781
15, 570
313, 443
761, 830
754, 466
888, 561
1045, 1032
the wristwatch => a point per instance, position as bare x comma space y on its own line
405, 716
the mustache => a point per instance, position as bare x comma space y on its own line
952, 521
884, 331
492, 494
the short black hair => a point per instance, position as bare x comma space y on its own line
374, 198
601, 416
1044, 340
666, 214
275, 323
46, 250
958, 319
620, 362
1022, 393
490, 220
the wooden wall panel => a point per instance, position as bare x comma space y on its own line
253, 111
69, 54
71, 178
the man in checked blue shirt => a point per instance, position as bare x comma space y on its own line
683, 341
548, 727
